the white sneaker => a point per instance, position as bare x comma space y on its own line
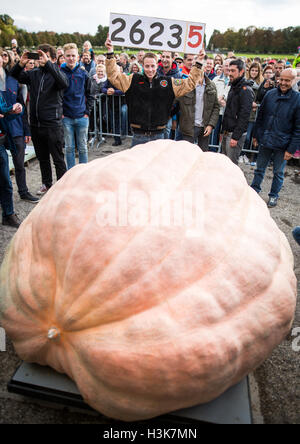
43, 190
246, 160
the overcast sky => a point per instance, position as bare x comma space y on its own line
84, 16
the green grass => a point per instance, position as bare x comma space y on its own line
264, 56
99, 50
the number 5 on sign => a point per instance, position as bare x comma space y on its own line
156, 34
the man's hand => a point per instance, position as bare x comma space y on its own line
268, 84
17, 108
24, 59
1, 116
201, 56
254, 142
109, 45
287, 155
233, 143
207, 131
110, 92
222, 101
43, 57
86, 116
27, 139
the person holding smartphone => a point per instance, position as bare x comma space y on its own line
47, 85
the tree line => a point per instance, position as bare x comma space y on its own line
257, 40
8, 31
251, 39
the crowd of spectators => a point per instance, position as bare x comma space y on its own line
51, 100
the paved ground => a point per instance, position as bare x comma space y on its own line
274, 386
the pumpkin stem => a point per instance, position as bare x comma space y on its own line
53, 333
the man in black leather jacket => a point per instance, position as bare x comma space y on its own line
237, 111
47, 84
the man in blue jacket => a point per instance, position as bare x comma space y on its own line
7, 112
77, 104
277, 132
18, 129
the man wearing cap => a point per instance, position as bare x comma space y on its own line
149, 96
15, 48
277, 132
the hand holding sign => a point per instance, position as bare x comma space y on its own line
201, 56
109, 45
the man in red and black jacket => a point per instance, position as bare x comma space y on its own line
149, 96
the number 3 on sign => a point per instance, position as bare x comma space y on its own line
156, 34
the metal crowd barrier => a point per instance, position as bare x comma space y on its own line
110, 118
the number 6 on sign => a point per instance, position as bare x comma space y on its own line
153, 33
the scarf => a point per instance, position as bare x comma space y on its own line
99, 80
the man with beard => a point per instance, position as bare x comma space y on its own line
237, 111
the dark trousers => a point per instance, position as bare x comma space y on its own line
18, 160
49, 141
198, 138
6, 189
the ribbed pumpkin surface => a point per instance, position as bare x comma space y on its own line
150, 305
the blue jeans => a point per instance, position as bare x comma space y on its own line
215, 137
263, 159
6, 189
248, 140
296, 234
167, 131
139, 139
78, 127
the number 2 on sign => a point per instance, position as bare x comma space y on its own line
195, 31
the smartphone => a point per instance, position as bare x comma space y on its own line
33, 56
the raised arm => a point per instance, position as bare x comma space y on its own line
118, 79
183, 86
18, 70
61, 80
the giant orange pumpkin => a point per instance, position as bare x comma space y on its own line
155, 278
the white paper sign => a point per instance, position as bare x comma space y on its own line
134, 31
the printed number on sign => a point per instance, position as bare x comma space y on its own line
195, 31
162, 34
152, 40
